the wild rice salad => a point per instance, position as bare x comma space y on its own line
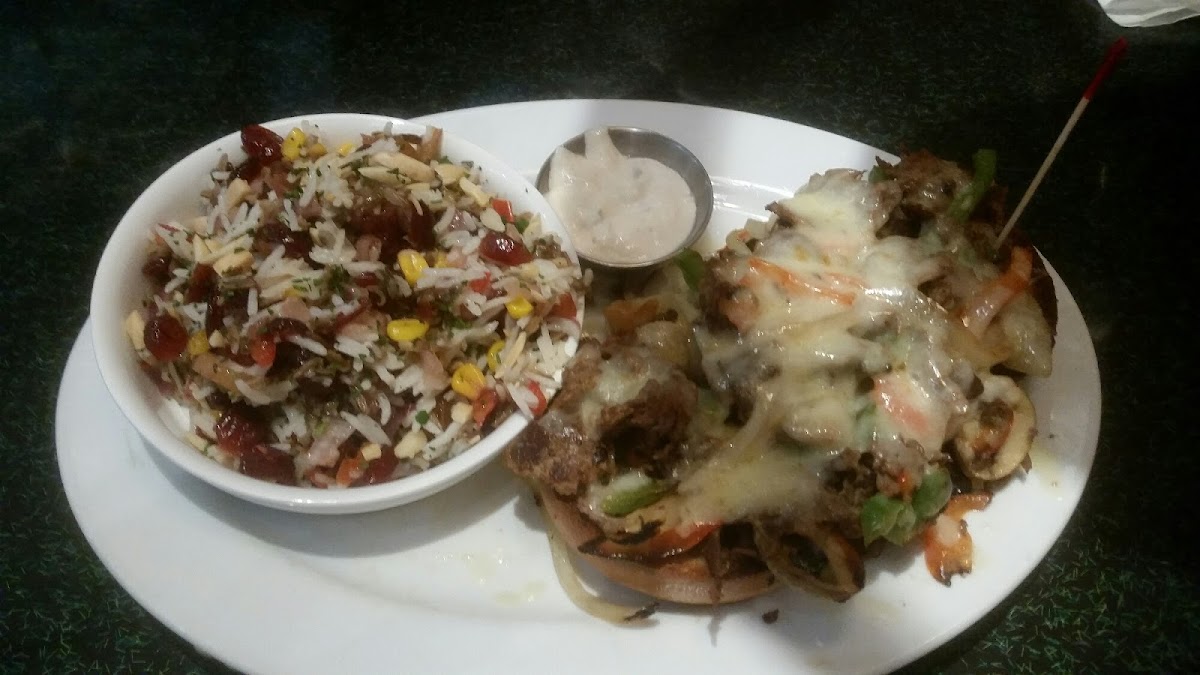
349, 312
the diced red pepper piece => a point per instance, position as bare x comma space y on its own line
662, 545
565, 307
504, 208
262, 350
540, 407
483, 406
482, 284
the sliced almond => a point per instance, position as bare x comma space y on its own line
381, 174
474, 192
135, 329
238, 261
413, 168
450, 173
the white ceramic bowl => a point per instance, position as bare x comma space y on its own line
119, 287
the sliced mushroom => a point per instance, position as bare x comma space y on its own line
814, 558
999, 431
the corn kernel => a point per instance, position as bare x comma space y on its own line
519, 307
292, 144
493, 355
440, 259
346, 148
317, 150
468, 380
197, 344
412, 264
402, 330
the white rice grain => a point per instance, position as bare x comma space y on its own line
368, 427
309, 344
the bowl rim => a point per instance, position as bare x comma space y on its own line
704, 206
111, 346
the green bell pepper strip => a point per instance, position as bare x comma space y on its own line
905, 527
878, 516
621, 504
969, 197
932, 494
692, 266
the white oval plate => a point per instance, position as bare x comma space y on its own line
462, 581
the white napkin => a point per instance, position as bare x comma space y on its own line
1149, 12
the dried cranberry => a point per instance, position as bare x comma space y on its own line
231, 303
158, 268
379, 470
268, 463
239, 429
343, 319
262, 144
420, 230
248, 170
504, 249
165, 337
288, 358
201, 284
366, 280
279, 328
397, 226
275, 233
264, 345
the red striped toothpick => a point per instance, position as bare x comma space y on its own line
1115, 52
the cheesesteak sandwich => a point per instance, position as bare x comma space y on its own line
840, 377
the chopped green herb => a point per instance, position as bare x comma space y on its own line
337, 278
521, 224
294, 193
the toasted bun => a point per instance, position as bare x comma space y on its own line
684, 579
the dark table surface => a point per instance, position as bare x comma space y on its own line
101, 97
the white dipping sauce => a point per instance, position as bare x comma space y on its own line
619, 209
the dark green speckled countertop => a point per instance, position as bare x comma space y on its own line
97, 99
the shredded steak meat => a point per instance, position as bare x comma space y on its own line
567, 453
555, 451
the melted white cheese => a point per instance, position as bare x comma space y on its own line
834, 306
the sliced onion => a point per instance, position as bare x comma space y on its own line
598, 607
